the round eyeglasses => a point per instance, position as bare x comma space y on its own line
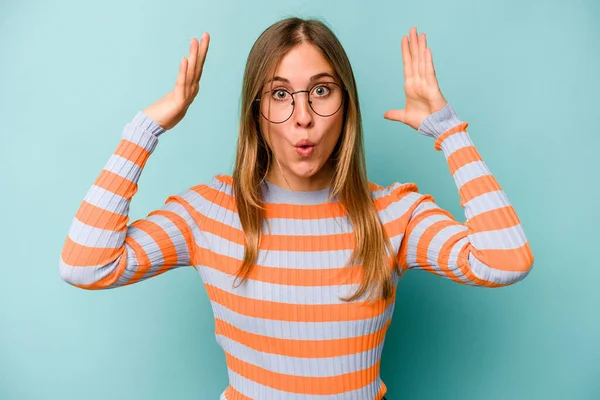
277, 105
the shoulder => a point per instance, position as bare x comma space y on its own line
392, 192
218, 191
396, 199
220, 183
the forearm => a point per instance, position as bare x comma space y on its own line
490, 248
95, 252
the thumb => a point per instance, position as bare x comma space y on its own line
396, 115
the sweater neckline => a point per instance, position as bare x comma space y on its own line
276, 194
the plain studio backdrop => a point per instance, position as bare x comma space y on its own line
523, 74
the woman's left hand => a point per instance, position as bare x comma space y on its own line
423, 95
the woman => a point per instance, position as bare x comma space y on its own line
300, 254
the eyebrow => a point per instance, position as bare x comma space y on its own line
312, 78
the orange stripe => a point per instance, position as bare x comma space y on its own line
396, 195
476, 187
444, 260
132, 152
339, 241
373, 187
462, 127
78, 255
401, 256
160, 237
397, 226
462, 157
298, 312
302, 384
116, 184
183, 227
225, 179
302, 348
216, 197
412, 224
304, 212
336, 241
100, 218
425, 242
232, 394
223, 230
281, 275
514, 260
499, 218
382, 391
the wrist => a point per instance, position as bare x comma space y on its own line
439, 122
144, 121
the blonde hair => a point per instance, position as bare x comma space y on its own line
349, 183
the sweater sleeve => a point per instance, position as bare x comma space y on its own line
490, 248
101, 250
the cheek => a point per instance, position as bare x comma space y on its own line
275, 137
334, 131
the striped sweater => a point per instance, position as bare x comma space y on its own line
285, 332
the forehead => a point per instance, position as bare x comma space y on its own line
301, 63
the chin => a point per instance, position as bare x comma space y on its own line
306, 171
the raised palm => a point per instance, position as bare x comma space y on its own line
172, 107
423, 95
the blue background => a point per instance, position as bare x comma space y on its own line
524, 74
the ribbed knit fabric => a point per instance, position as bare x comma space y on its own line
285, 332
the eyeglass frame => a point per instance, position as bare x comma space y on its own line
343, 88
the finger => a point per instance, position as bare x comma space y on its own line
422, 49
203, 49
395, 115
406, 59
192, 60
180, 83
414, 53
430, 76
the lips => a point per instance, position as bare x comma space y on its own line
304, 147
305, 143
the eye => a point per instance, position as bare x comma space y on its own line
279, 94
321, 90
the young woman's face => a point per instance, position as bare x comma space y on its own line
303, 143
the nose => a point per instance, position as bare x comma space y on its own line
303, 114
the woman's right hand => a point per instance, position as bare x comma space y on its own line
168, 111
